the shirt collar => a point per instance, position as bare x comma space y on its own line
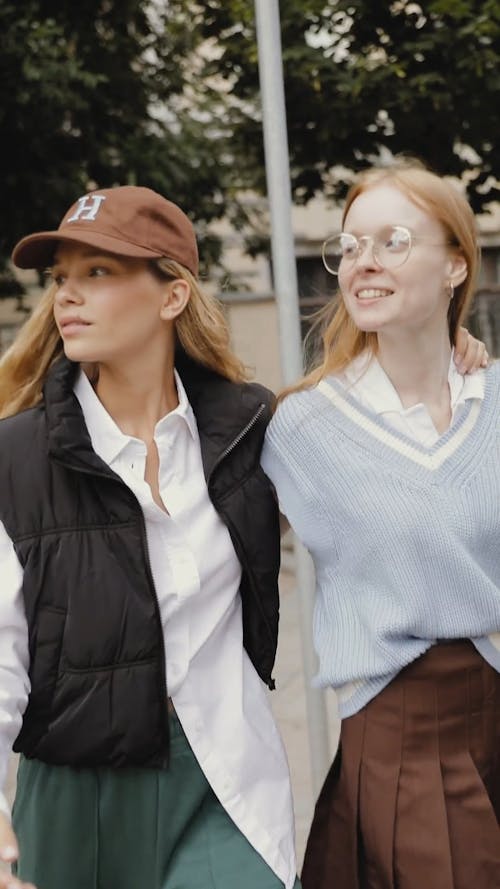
183, 410
465, 386
107, 438
366, 373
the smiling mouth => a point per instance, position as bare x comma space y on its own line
372, 293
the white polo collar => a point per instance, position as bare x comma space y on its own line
107, 438
366, 372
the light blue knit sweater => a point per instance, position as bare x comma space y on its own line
405, 539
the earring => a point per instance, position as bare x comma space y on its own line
450, 289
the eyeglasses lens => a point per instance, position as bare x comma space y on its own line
390, 248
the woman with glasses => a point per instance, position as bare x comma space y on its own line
385, 460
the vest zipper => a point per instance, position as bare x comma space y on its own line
251, 423
219, 460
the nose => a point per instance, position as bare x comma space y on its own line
366, 257
68, 293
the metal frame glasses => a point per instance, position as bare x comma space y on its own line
390, 247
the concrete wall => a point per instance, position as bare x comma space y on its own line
255, 337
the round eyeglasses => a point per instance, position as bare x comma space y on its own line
390, 248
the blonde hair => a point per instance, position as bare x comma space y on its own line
202, 329
202, 332
341, 340
24, 367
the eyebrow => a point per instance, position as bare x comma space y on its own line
380, 228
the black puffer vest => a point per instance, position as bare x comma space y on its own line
98, 690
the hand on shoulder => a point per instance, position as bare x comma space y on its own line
470, 353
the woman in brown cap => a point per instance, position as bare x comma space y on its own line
139, 555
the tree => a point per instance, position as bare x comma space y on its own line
98, 93
166, 93
363, 76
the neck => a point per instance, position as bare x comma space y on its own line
417, 365
137, 401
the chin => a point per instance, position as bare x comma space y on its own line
367, 326
78, 353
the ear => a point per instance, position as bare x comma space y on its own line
176, 297
456, 269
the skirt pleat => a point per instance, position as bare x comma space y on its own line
335, 814
382, 737
412, 799
422, 838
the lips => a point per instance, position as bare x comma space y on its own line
72, 324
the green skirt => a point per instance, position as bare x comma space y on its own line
101, 828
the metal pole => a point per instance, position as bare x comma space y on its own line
286, 290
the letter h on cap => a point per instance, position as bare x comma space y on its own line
88, 207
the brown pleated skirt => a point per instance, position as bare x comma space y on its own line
412, 800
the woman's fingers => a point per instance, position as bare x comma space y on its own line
8, 854
8, 843
7, 881
470, 353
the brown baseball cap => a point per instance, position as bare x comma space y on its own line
127, 220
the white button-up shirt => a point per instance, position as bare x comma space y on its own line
220, 700
368, 382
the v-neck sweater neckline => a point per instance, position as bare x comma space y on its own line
453, 452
